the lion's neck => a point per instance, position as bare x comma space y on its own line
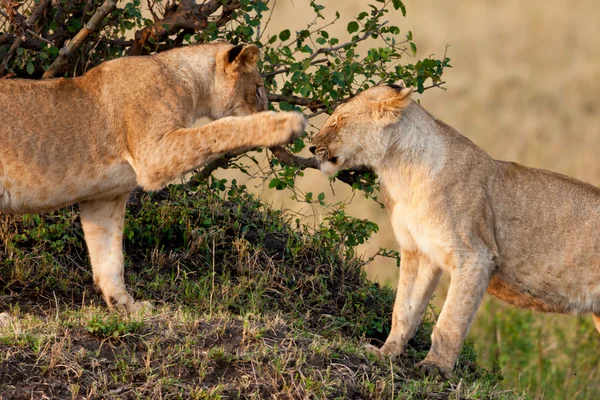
415, 150
194, 66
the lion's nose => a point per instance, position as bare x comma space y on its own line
313, 149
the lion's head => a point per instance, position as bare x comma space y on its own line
355, 134
238, 89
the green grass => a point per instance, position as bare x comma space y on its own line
547, 355
248, 304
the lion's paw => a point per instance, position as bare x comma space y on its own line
434, 370
140, 307
297, 124
390, 349
288, 125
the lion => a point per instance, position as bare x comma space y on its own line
124, 124
527, 236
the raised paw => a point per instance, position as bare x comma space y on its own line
288, 125
434, 370
297, 124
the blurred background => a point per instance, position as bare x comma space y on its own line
525, 87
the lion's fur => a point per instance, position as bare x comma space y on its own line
530, 237
127, 123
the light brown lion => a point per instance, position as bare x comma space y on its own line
528, 236
127, 123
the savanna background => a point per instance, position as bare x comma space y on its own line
524, 86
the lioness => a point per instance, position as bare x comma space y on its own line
528, 236
127, 123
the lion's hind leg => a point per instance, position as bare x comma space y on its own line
596, 319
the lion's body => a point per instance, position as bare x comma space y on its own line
528, 236
127, 123
61, 144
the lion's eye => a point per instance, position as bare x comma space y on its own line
333, 160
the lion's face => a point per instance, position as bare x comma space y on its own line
354, 134
238, 88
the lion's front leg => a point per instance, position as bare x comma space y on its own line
468, 282
161, 160
103, 222
416, 283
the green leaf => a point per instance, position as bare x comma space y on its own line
30, 68
413, 47
352, 27
275, 183
284, 35
398, 4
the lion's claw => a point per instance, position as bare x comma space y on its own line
434, 370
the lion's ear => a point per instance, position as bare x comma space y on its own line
242, 58
390, 109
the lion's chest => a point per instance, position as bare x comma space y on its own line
415, 232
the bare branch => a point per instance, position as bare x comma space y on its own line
188, 15
71, 46
209, 168
32, 33
349, 177
287, 158
439, 84
311, 104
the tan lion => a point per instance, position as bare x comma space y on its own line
127, 123
528, 236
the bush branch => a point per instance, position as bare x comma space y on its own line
287, 158
35, 16
311, 104
188, 15
62, 61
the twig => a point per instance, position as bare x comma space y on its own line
285, 70
71, 46
439, 84
364, 36
32, 33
